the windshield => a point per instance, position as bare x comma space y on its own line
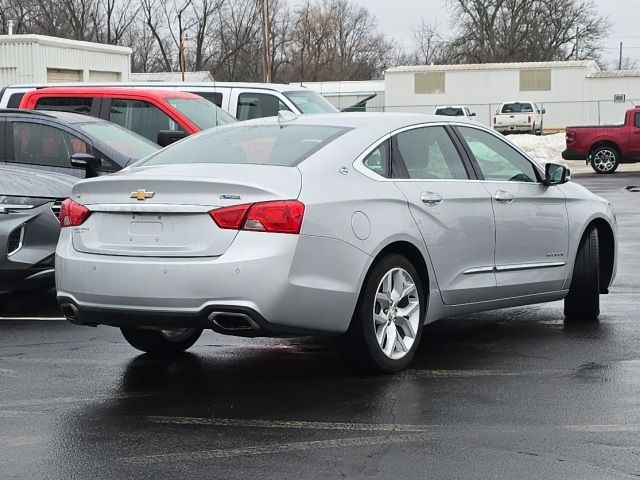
284, 145
201, 112
517, 108
124, 141
310, 102
450, 112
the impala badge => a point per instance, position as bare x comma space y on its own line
142, 194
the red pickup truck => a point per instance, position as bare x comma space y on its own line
605, 147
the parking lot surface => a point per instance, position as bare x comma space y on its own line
515, 393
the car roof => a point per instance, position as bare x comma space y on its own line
451, 106
279, 87
68, 117
391, 120
112, 91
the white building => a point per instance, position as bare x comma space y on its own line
38, 58
348, 93
200, 76
573, 92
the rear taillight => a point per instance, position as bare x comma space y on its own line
73, 213
570, 136
282, 216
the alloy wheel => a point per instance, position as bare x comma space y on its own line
604, 160
396, 313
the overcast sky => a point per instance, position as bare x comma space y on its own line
397, 18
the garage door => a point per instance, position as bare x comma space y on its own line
62, 75
98, 76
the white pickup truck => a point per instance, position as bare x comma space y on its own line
519, 117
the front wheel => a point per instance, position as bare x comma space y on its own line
387, 325
582, 304
165, 342
605, 159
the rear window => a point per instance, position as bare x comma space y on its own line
283, 145
517, 108
450, 112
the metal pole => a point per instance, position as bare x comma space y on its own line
577, 42
266, 42
620, 60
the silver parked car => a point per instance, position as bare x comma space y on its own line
365, 226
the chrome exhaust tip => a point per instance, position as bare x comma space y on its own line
233, 321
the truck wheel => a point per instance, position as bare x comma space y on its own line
387, 324
582, 304
167, 342
605, 159
540, 130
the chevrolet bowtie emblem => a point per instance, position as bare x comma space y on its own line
142, 194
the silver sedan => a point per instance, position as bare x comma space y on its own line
363, 226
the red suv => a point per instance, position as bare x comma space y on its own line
162, 116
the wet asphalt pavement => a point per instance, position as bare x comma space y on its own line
511, 394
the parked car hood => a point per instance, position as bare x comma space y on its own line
28, 182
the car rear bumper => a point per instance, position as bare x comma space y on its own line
514, 128
277, 283
570, 154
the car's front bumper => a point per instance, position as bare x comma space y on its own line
283, 283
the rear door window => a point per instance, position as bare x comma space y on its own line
141, 117
213, 97
426, 153
258, 105
66, 104
14, 100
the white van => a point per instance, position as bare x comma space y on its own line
242, 100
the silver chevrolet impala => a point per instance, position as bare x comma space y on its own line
363, 226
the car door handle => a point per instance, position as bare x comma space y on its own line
503, 196
430, 198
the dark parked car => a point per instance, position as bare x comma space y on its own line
66, 142
42, 155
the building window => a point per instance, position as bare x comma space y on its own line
538, 80
429, 83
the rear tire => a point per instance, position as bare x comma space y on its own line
605, 160
161, 342
582, 304
387, 325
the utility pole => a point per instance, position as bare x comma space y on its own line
181, 60
577, 42
620, 59
266, 42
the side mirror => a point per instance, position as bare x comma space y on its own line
472, 114
555, 174
498, 112
543, 111
167, 137
86, 161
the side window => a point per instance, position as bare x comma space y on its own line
67, 104
141, 117
258, 105
38, 144
213, 97
498, 161
14, 100
378, 160
426, 153
636, 120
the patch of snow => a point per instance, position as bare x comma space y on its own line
544, 149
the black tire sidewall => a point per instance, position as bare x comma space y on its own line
154, 342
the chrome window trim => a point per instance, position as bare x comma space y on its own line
513, 267
473, 270
358, 163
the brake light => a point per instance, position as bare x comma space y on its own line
281, 216
570, 136
73, 213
